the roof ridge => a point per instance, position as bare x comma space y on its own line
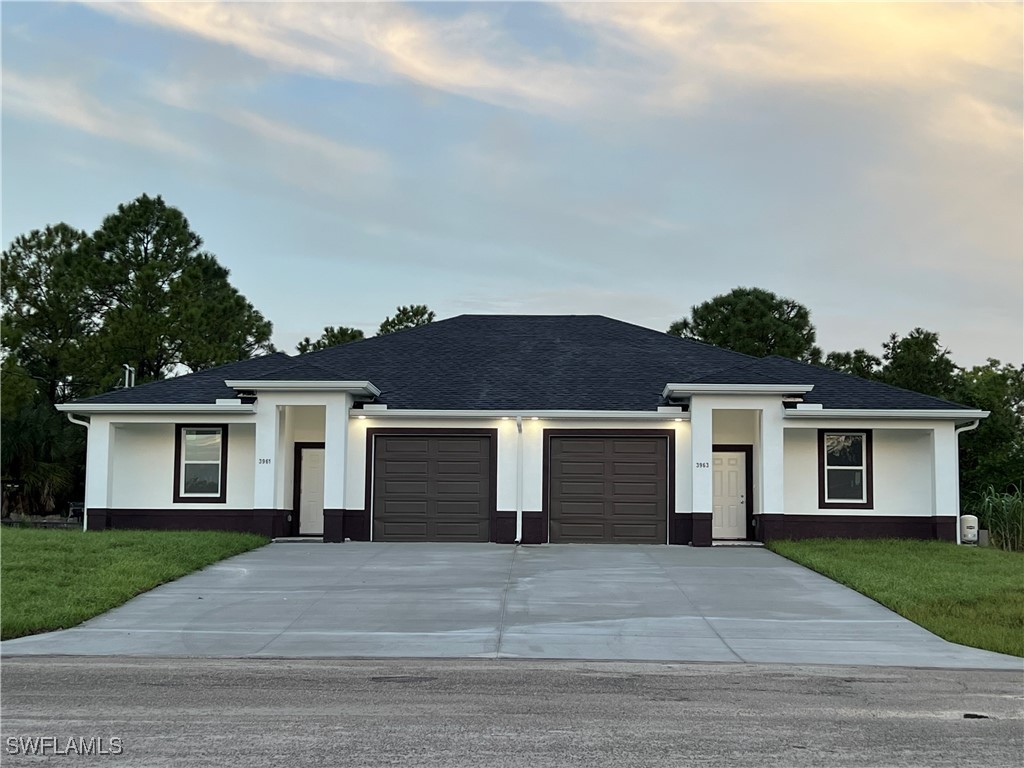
378, 337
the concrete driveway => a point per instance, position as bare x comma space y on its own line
486, 600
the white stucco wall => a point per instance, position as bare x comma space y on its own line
533, 453
906, 469
142, 461
143, 466
902, 472
734, 426
307, 423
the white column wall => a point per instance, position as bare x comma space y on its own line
773, 461
336, 430
945, 471
98, 452
701, 441
266, 494
684, 466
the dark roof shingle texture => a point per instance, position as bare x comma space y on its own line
529, 362
832, 389
202, 387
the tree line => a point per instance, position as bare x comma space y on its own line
141, 291
757, 322
405, 317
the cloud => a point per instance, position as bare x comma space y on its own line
651, 57
66, 102
815, 42
970, 120
322, 150
464, 55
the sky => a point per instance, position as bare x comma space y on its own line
628, 160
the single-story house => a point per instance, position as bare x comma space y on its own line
527, 429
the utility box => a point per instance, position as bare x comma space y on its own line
968, 529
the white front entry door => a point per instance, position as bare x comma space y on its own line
311, 492
729, 503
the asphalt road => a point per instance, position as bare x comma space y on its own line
272, 712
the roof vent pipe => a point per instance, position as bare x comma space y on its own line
129, 376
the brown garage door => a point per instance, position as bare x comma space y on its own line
431, 488
609, 489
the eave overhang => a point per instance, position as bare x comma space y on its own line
511, 413
155, 408
884, 413
685, 390
262, 385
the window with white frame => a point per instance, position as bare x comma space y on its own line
844, 469
200, 473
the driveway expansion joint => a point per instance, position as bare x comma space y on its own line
504, 602
699, 611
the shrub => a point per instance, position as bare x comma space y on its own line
1003, 515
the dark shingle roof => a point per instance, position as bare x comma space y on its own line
832, 389
202, 387
529, 362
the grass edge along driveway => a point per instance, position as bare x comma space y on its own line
968, 595
55, 579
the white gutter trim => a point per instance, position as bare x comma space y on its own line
79, 422
519, 480
956, 438
85, 509
735, 389
883, 413
361, 387
417, 413
87, 408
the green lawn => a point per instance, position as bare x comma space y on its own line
54, 579
969, 595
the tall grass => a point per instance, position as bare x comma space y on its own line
1003, 515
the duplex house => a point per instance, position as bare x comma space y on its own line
526, 429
